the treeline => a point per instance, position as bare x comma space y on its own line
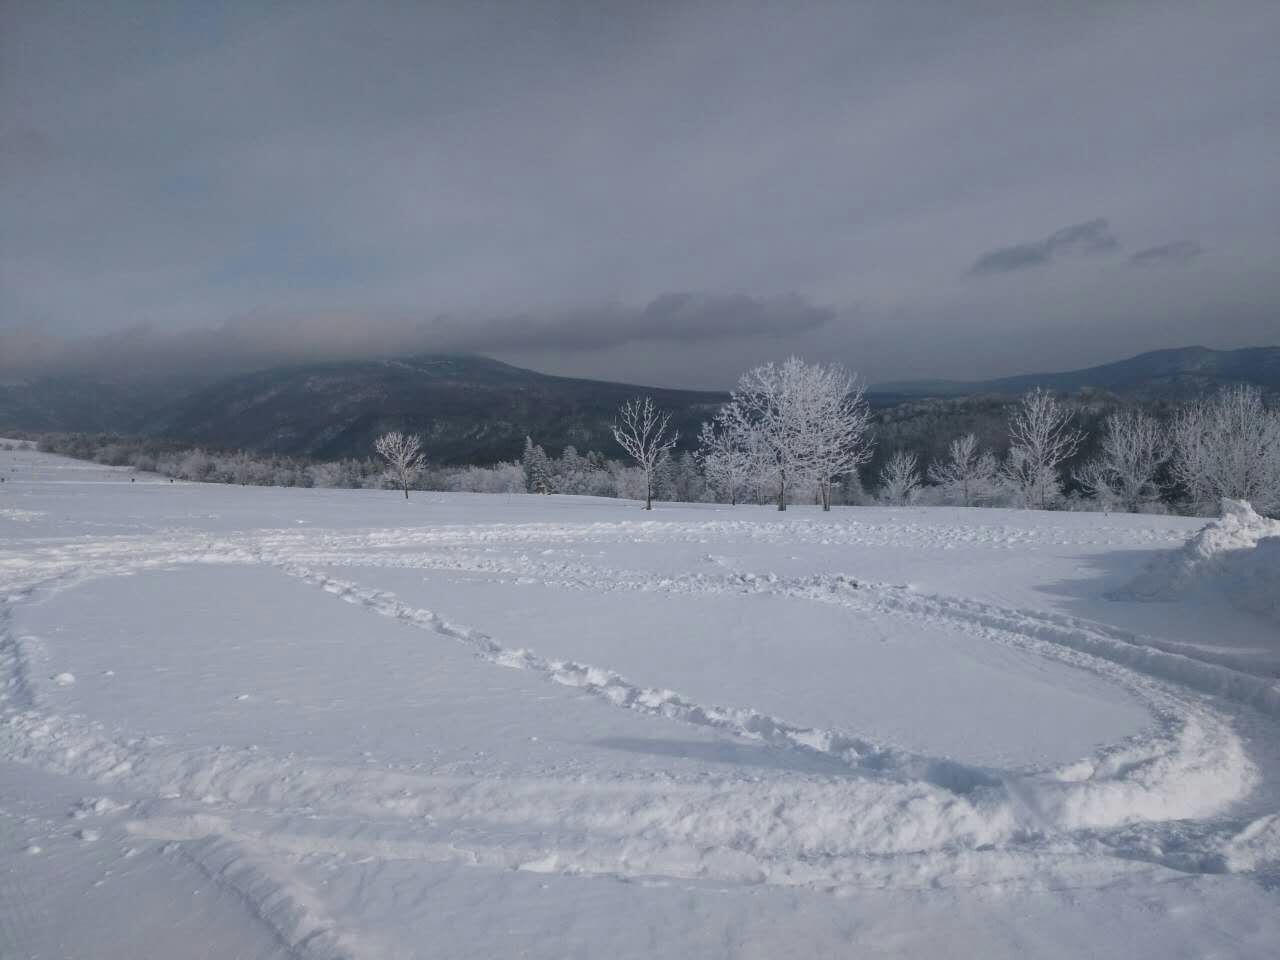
181, 462
1086, 452
590, 474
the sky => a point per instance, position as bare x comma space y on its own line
658, 192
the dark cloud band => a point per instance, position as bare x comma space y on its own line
1091, 238
270, 339
1168, 254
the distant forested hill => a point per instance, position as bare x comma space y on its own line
468, 409
476, 410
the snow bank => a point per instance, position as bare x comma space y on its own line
1254, 578
1238, 553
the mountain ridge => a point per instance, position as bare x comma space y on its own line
1176, 370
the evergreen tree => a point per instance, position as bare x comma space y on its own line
537, 468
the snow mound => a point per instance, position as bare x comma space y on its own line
1239, 553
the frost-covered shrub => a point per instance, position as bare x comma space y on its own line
900, 479
196, 465
501, 478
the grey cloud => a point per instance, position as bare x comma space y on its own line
1174, 254
487, 169
1091, 238
262, 339
25, 151
673, 318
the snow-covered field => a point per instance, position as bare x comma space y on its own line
255, 722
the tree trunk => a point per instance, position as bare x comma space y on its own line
406, 491
826, 495
648, 491
782, 490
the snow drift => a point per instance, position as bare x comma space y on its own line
1239, 554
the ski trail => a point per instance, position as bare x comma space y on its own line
1203, 671
1195, 766
1142, 654
681, 855
266, 889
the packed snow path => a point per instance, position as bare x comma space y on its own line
469, 725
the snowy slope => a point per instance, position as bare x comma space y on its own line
335, 724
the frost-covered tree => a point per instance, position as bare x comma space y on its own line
1041, 439
806, 423
196, 465
1229, 446
688, 485
642, 431
537, 468
760, 466
900, 479
968, 473
572, 472
768, 406
839, 427
403, 455
1124, 473
726, 459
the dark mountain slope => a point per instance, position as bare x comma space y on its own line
64, 404
468, 409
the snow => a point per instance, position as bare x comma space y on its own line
1204, 555
320, 723
1254, 578
1237, 554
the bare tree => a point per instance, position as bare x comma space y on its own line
1229, 447
808, 423
641, 430
1124, 472
403, 455
900, 479
967, 474
726, 458
1042, 439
